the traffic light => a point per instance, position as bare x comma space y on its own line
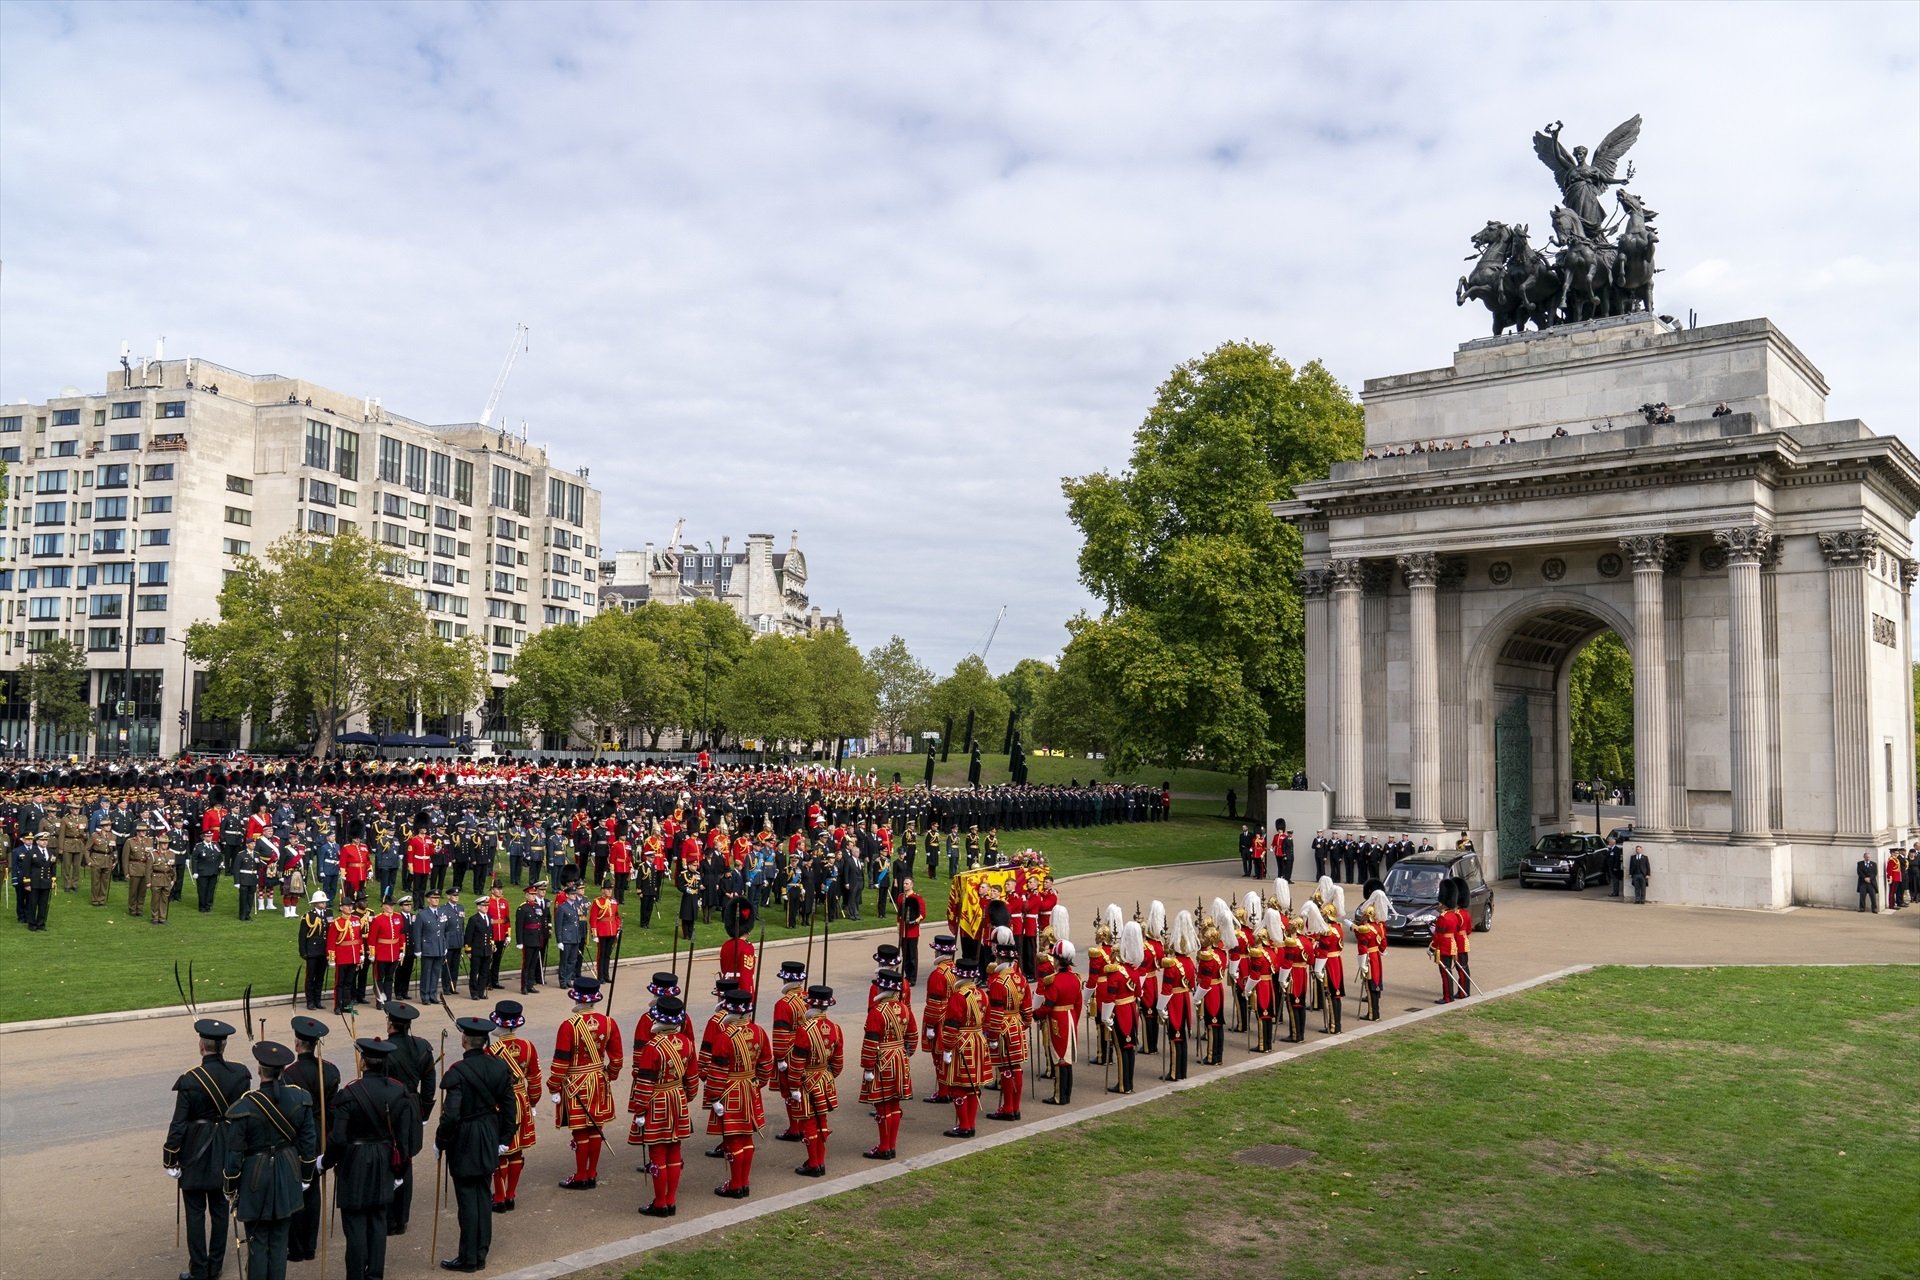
183, 717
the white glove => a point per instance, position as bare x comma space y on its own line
795, 1096
1163, 1003
305, 1187
1320, 969
173, 1173
399, 1183
946, 1057
867, 1076
502, 1148
780, 1065
720, 1108
556, 1097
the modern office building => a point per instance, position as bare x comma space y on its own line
126, 509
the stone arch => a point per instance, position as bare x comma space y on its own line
1526, 651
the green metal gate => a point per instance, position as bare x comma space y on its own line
1513, 783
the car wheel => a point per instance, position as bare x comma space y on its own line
1486, 921
1578, 880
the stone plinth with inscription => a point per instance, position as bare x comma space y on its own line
1756, 563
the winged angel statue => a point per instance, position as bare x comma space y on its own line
1584, 182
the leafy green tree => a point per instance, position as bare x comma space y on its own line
1200, 641
56, 687
970, 687
316, 629
1025, 686
845, 694
1074, 713
1600, 702
699, 643
550, 675
902, 686
768, 692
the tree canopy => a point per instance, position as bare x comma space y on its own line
902, 686
315, 632
970, 687
1600, 703
55, 683
1198, 651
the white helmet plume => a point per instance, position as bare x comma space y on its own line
1003, 937
1251, 905
1133, 945
1338, 903
1378, 903
1222, 920
1311, 919
1283, 893
1112, 918
1186, 939
1276, 925
1326, 887
1156, 919
1060, 924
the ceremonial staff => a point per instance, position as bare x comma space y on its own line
320, 1173
759, 968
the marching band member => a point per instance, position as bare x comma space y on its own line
814, 1061
1007, 1000
886, 1047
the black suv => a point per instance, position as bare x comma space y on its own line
1413, 892
1571, 858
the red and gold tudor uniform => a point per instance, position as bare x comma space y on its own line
886, 1052
964, 1064
737, 1065
814, 1062
789, 1010
940, 982
664, 1081
1008, 1002
523, 1061
587, 1058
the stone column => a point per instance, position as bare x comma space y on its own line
1746, 547
1652, 802
1349, 792
1422, 572
1847, 553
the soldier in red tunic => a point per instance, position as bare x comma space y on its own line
1323, 944
1178, 973
886, 1078
940, 980
1008, 1001
963, 1047
387, 939
1146, 975
1213, 966
663, 1084
1059, 1016
664, 983
523, 1060
1256, 980
1041, 900
588, 1056
813, 1066
603, 922
736, 953
1120, 1002
788, 1012
344, 953
738, 1068
1370, 935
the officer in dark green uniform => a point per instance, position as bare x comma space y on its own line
271, 1150
303, 1240
196, 1148
373, 1132
476, 1122
410, 1065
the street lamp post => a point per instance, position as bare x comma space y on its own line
333, 692
186, 694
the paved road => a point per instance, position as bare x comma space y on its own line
83, 1110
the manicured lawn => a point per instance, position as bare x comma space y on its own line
1050, 771
91, 960
1638, 1123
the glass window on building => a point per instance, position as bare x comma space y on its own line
346, 454
105, 606
153, 573
64, 418
155, 537
390, 452
150, 603
319, 444
109, 508
440, 475
417, 468
321, 493
159, 471
155, 506
239, 515
523, 493
115, 476
49, 513
150, 635
172, 409
239, 484
103, 639
463, 481
576, 504
501, 494
50, 482
10, 423
113, 540
320, 522
126, 409
49, 544
556, 497
127, 443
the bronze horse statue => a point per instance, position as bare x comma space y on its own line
1584, 283
1514, 280
1633, 268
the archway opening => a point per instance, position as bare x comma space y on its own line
1562, 685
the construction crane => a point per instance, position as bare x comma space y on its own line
993, 631
520, 332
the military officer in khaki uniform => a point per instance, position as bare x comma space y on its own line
160, 882
139, 857
100, 853
72, 847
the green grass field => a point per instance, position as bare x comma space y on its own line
1050, 771
1638, 1123
92, 960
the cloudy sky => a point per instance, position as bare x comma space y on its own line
884, 274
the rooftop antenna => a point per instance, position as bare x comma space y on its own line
520, 332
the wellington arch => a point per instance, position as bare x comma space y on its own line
1753, 557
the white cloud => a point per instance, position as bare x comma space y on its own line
885, 274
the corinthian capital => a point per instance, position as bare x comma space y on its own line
1346, 574
1646, 550
1419, 568
1314, 582
1745, 544
1848, 546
